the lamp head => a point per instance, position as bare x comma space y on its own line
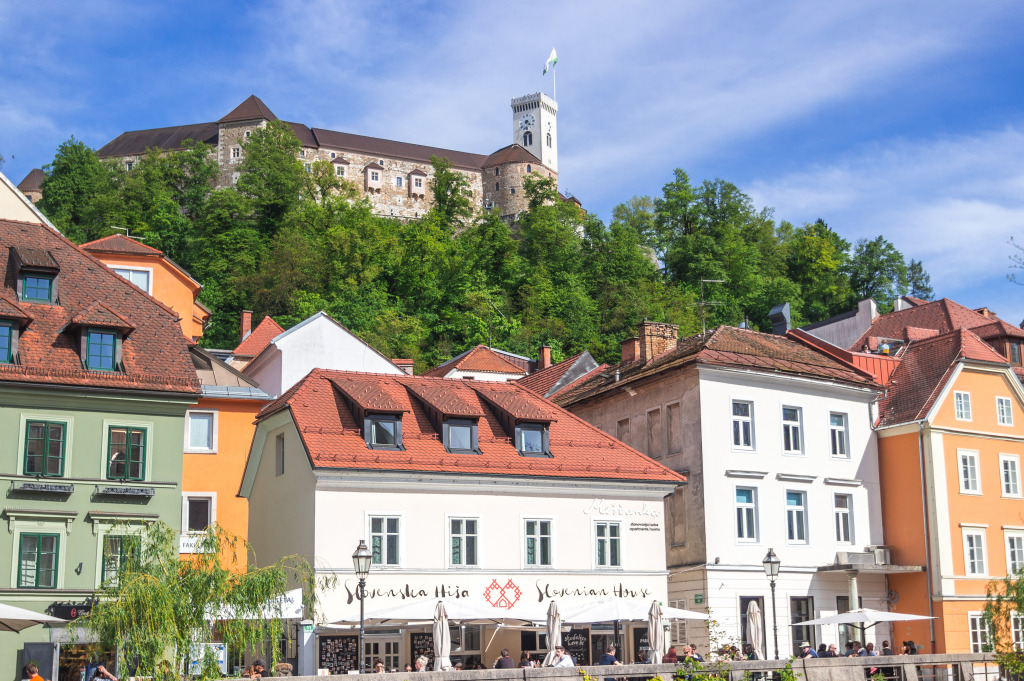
361, 559
771, 565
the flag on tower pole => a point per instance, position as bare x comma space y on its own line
550, 63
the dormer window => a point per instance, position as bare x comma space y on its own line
460, 436
101, 350
36, 288
35, 272
532, 439
383, 431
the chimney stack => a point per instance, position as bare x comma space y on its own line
630, 349
779, 317
544, 358
656, 338
406, 365
246, 323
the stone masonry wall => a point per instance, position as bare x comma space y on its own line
503, 185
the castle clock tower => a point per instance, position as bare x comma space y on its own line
535, 127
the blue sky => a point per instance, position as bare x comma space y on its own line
902, 119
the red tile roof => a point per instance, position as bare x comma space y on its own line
725, 346
260, 337
334, 439
33, 182
445, 399
252, 109
155, 356
119, 243
513, 153
942, 315
136, 142
9, 309
925, 368
479, 358
98, 314
541, 381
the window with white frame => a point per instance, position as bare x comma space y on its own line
1009, 471
791, 431
418, 183
979, 632
118, 551
339, 171
1017, 630
201, 431
839, 435
374, 176
796, 517
742, 424
308, 167
608, 549
138, 277
844, 518
970, 482
398, 181
38, 560
746, 514
464, 542
236, 152
1004, 411
1014, 551
198, 513
384, 536
538, 542
962, 405
974, 551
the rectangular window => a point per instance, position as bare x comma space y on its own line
538, 542
979, 632
1009, 469
383, 432
37, 564
1004, 410
384, 540
464, 541
622, 431
374, 176
796, 517
37, 289
44, 448
1017, 630
962, 405
844, 518
236, 152
608, 551
974, 551
1015, 353
801, 609
1014, 552
674, 426
308, 167
126, 453
100, 352
6, 343
742, 425
118, 551
969, 481
198, 514
339, 171
746, 514
654, 436
398, 182
418, 182
460, 436
200, 427
138, 277
279, 455
839, 435
791, 431
532, 439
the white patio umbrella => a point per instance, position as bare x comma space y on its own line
442, 639
624, 609
13, 618
655, 633
864, 616
554, 632
423, 611
755, 627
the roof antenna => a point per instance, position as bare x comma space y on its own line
127, 234
704, 303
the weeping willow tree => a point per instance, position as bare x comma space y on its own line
1004, 619
158, 611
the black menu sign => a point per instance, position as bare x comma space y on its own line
423, 644
641, 642
577, 644
339, 653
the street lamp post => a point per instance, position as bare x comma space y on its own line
361, 562
771, 565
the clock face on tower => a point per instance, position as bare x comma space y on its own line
527, 121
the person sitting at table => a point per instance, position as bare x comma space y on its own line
609, 656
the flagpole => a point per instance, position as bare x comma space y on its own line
554, 82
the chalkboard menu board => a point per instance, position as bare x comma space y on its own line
577, 644
422, 644
642, 642
339, 653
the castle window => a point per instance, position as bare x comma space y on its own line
339, 171
549, 140
236, 152
308, 167
374, 176
302, 153
528, 168
512, 191
333, 154
418, 182
527, 138
497, 186
380, 161
398, 182
248, 134
128, 165
497, 171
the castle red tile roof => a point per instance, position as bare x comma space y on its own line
923, 371
513, 153
725, 346
119, 243
334, 439
155, 356
33, 182
942, 315
260, 337
136, 142
252, 109
480, 358
384, 148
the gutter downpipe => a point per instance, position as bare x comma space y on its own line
927, 534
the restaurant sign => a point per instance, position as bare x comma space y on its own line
499, 592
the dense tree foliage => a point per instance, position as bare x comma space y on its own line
289, 242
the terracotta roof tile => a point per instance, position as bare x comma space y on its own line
33, 182
450, 398
137, 142
942, 315
513, 153
154, 357
480, 358
541, 381
119, 243
334, 440
260, 337
98, 314
371, 395
252, 109
520, 404
9, 308
382, 148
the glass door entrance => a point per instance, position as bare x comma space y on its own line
386, 650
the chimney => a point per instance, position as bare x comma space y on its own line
544, 358
246, 323
405, 365
779, 317
630, 349
656, 338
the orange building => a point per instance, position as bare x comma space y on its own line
951, 439
219, 428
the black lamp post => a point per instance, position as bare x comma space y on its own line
771, 565
361, 562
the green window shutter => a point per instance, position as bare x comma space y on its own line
39, 558
44, 448
126, 453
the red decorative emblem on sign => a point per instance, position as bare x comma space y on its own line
502, 596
